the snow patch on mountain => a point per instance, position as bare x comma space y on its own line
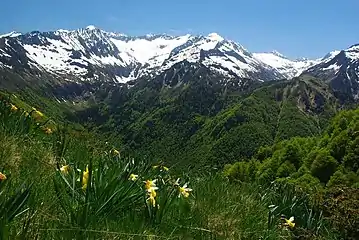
146, 51
11, 34
289, 68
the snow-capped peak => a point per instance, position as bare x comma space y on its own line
91, 27
289, 68
215, 37
278, 54
330, 55
81, 52
11, 34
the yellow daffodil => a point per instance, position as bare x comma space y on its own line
85, 178
185, 191
48, 130
2, 176
152, 197
65, 169
152, 200
133, 177
150, 185
115, 152
13, 108
289, 223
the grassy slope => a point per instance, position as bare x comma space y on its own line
216, 209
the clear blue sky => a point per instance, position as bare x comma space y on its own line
296, 28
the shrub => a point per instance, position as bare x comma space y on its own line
242, 171
286, 169
323, 166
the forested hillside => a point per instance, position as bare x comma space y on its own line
202, 123
322, 165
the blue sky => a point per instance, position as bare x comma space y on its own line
296, 28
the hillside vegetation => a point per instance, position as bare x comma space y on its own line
58, 182
326, 167
203, 123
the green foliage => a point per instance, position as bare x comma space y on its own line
203, 123
13, 204
323, 166
336, 149
242, 171
314, 165
285, 169
106, 204
343, 178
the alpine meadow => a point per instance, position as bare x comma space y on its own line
110, 136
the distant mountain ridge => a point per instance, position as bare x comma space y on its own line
123, 58
341, 70
91, 54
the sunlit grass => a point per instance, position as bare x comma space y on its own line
58, 186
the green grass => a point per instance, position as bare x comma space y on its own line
47, 203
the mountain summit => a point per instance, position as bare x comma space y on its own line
92, 54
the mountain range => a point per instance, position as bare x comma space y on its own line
91, 55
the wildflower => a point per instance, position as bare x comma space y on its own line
133, 177
13, 108
65, 169
48, 130
152, 197
150, 185
289, 223
26, 113
85, 178
115, 152
184, 191
2, 176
